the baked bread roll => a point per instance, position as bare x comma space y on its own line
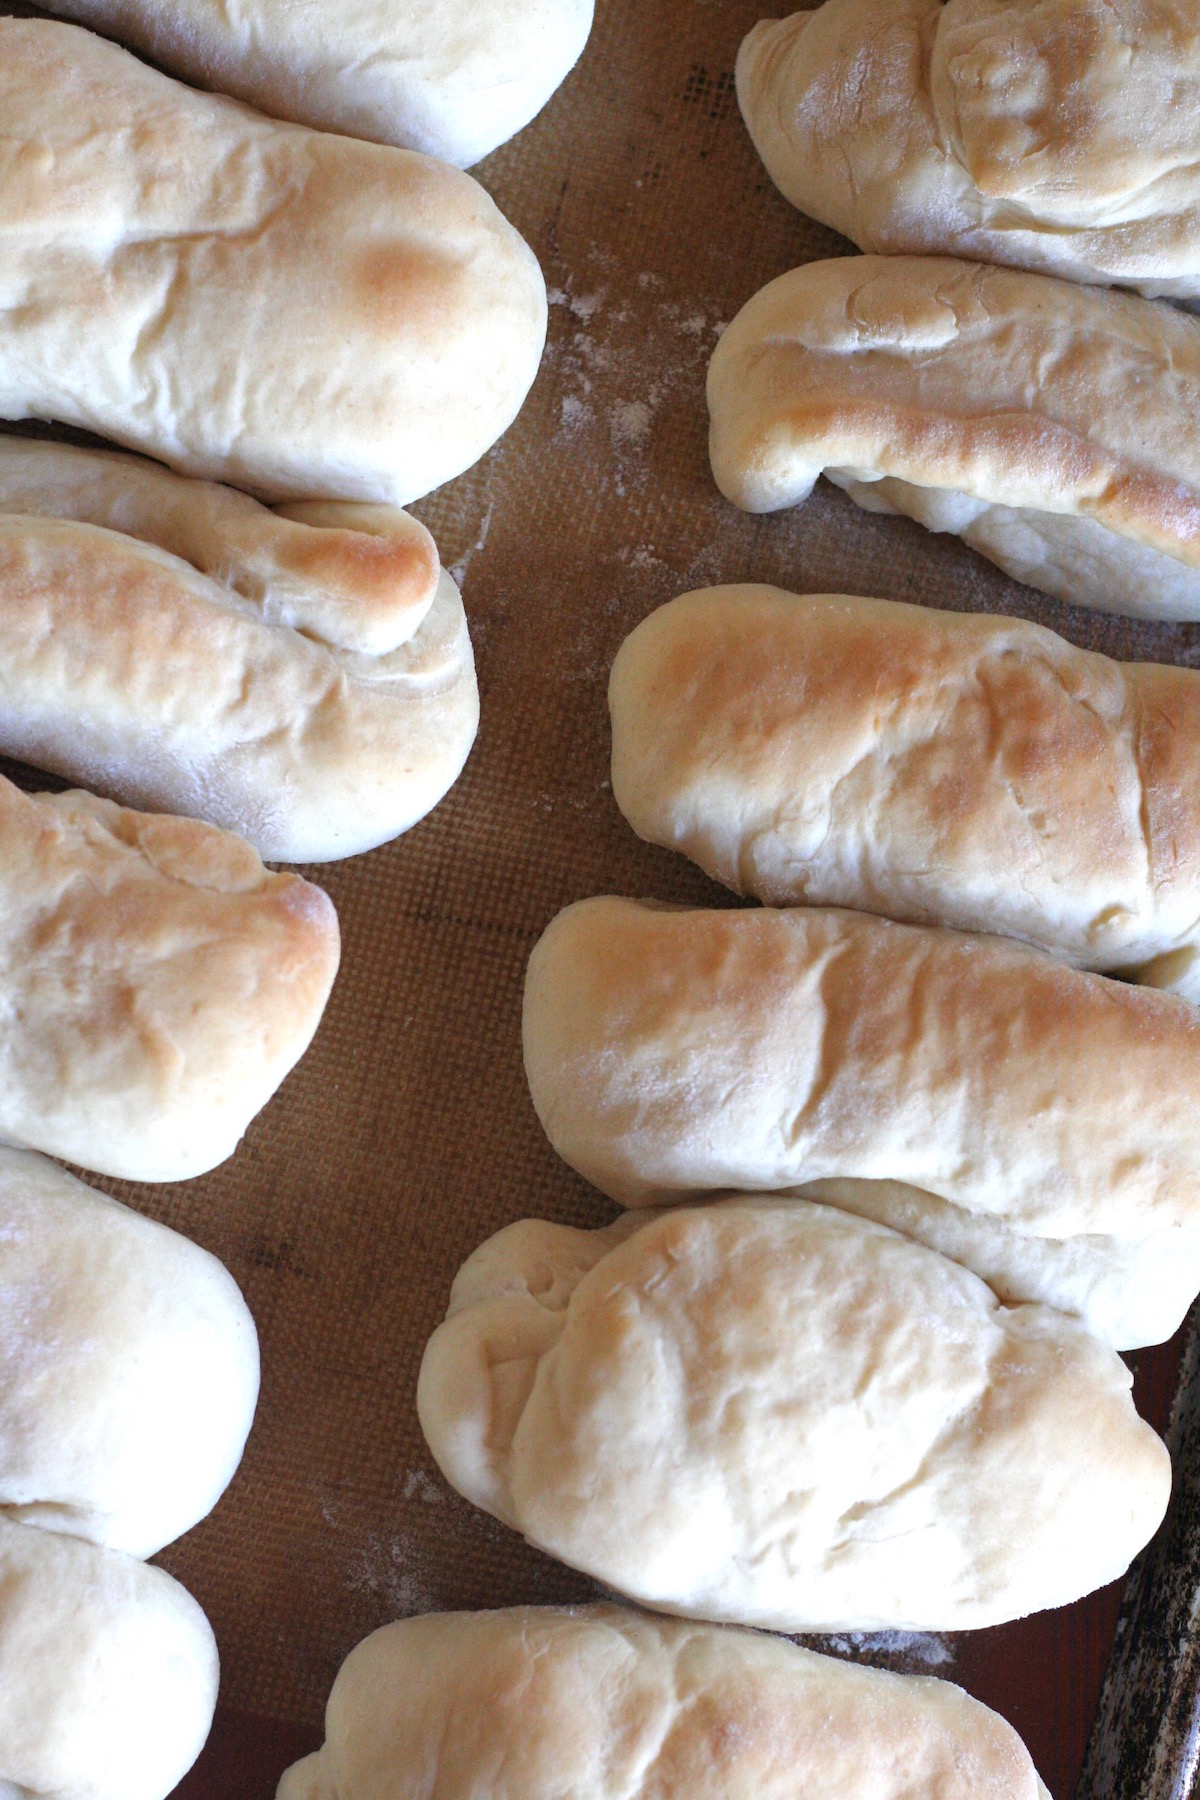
452, 78
537, 1702
301, 314
108, 1672
186, 689
347, 574
158, 984
128, 1366
1050, 426
941, 768
1063, 136
777, 1414
673, 1053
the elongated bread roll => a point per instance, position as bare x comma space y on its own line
128, 669
452, 78
672, 1053
301, 314
538, 1702
941, 768
1050, 426
776, 1414
158, 983
350, 575
128, 1366
108, 1672
1062, 136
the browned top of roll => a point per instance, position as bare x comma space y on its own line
157, 984
942, 768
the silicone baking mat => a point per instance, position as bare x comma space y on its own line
406, 1136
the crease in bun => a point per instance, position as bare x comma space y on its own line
1029, 1119
1061, 136
1048, 425
305, 680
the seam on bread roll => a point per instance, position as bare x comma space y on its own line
157, 984
600, 1701
453, 80
1063, 137
938, 768
673, 1053
777, 1414
108, 1672
304, 315
129, 1366
1050, 426
129, 670
355, 577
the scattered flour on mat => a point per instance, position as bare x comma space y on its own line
420, 1486
617, 371
392, 1570
460, 568
909, 1647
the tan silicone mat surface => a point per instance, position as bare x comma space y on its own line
406, 1136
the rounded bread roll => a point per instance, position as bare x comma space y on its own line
939, 768
537, 1702
157, 982
128, 1366
673, 1053
301, 314
777, 1414
451, 78
1049, 426
126, 669
108, 1672
1062, 136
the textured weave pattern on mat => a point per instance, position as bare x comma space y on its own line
406, 1136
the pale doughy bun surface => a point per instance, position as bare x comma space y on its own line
128, 1366
940, 768
108, 1672
303, 315
775, 1414
1050, 426
1129, 1291
451, 78
126, 669
1062, 136
598, 1702
159, 983
672, 1052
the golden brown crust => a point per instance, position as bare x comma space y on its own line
990, 387
356, 577
600, 1701
1058, 135
126, 669
298, 313
159, 983
940, 768
673, 1053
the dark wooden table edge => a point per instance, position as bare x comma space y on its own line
1145, 1742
